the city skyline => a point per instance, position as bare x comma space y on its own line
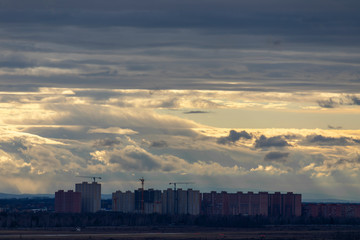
232, 95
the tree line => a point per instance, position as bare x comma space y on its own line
113, 219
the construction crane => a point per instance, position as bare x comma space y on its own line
142, 180
115, 208
91, 177
176, 200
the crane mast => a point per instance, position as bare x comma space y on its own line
142, 180
176, 200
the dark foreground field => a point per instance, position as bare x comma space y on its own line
268, 232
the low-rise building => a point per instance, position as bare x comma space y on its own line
67, 202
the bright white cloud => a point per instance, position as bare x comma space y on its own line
268, 169
113, 130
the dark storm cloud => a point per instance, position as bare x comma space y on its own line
15, 61
343, 161
304, 16
334, 127
348, 100
16, 145
327, 21
136, 160
327, 103
355, 100
19, 87
97, 94
60, 133
159, 144
139, 67
331, 141
234, 136
195, 112
277, 141
277, 156
141, 30
106, 142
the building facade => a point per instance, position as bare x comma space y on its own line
123, 202
67, 202
90, 196
194, 203
335, 210
251, 204
168, 202
188, 202
150, 200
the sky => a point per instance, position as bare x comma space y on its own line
235, 95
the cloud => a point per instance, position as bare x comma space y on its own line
159, 144
195, 112
347, 100
343, 161
49, 134
188, 158
134, 158
334, 167
351, 165
23, 139
355, 100
269, 170
327, 103
277, 156
113, 130
234, 136
26, 156
334, 127
14, 60
106, 142
115, 120
331, 141
217, 15
11, 164
277, 141
120, 44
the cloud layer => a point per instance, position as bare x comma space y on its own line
229, 45
121, 135
235, 95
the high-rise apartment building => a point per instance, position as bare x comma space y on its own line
181, 201
275, 204
194, 202
151, 199
67, 202
252, 204
123, 201
168, 200
286, 205
334, 210
213, 203
90, 196
291, 204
